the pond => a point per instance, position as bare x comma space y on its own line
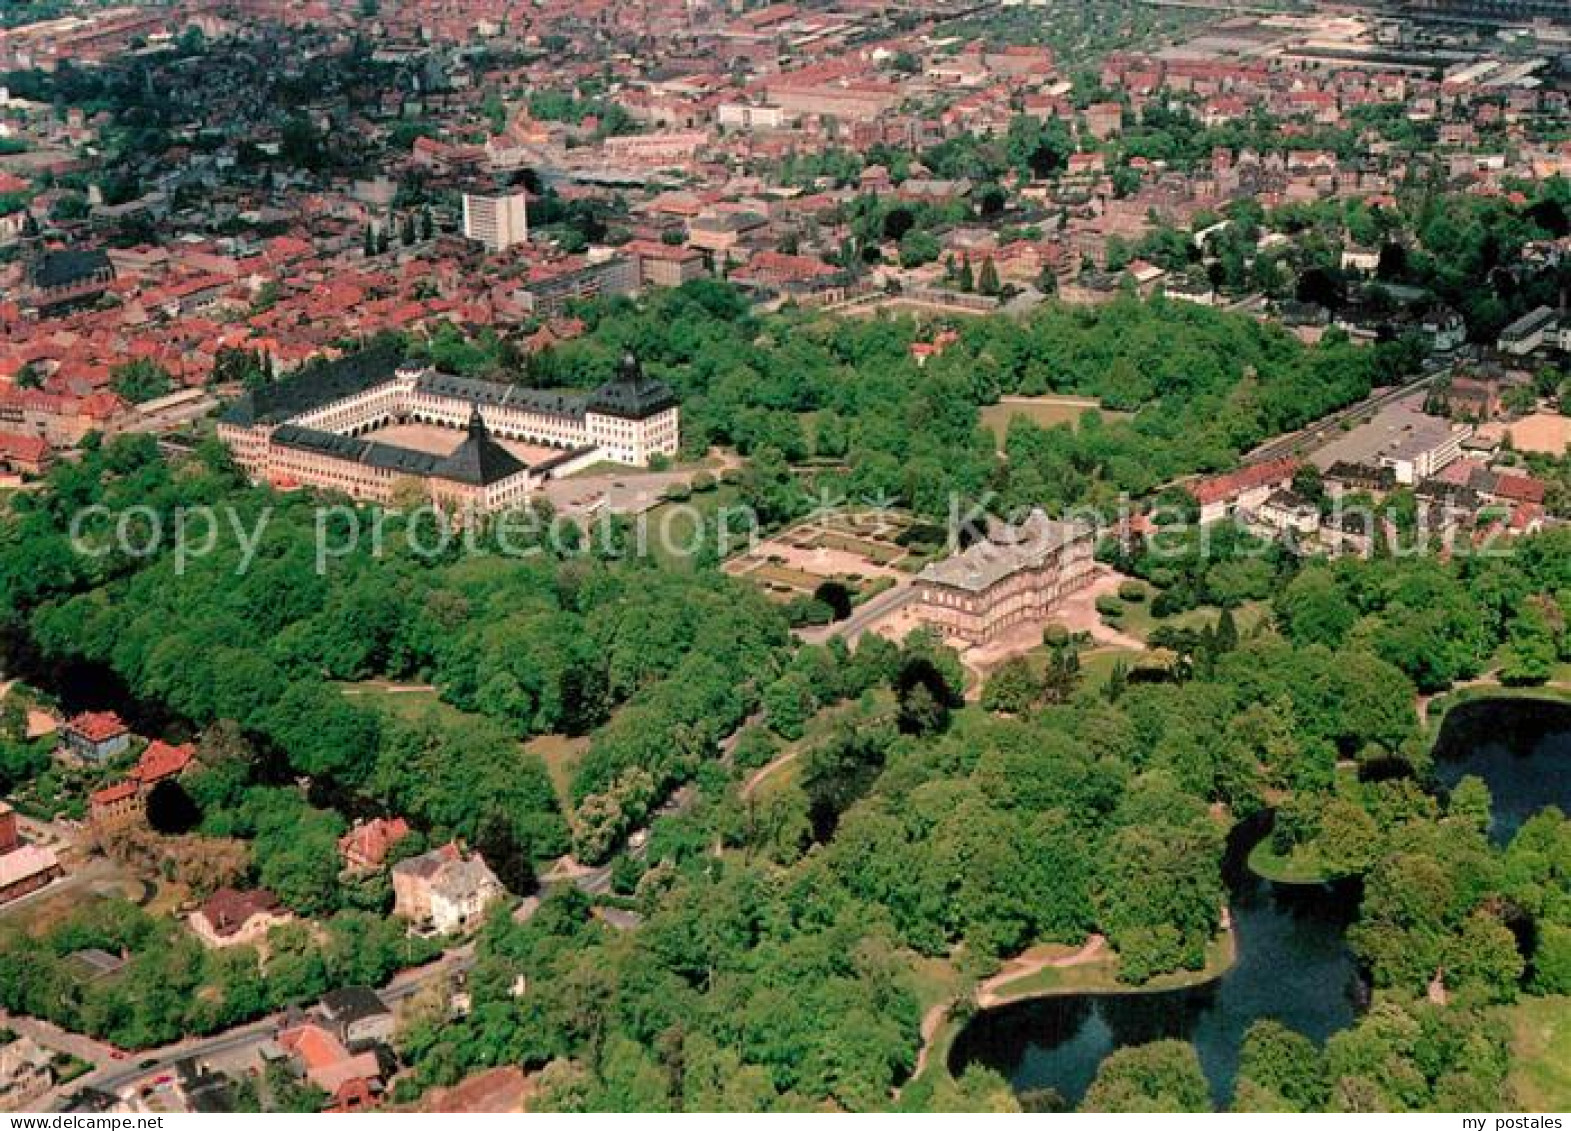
1521, 748
1293, 963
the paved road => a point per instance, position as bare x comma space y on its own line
1326, 428
112, 1075
863, 618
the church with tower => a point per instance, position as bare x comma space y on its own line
376, 428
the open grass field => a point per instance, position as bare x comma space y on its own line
1096, 666
561, 755
409, 702
1047, 412
1297, 868
1138, 620
1541, 1052
1101, 975
43, 913
674, 532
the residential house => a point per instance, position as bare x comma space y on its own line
1244, 489
230, 917
95, 736
1287, 511
364, 848
1104, 119
161, 761
445, 888
357, 1016
1443, 327
1348, 532
1345, 478
24, 455
201, 1090
116, 806
125, 802
352, 1081
26, 1073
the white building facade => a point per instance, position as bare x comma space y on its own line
498, 220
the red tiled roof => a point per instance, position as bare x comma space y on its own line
98, 726
31, 449
328, 1064
1520, 488
109, 795
1244, 479
229, 910
372, 840
160, 761
777, 266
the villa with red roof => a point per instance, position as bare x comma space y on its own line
364, 848
95, 736
161, 760
125, 802
352, 1081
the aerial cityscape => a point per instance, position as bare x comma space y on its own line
817, 556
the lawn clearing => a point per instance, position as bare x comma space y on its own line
676, 531
1541, 1052
1298, 867
1096, 665
406, 701
1045, 412
561, 755
1100, 975
1139, 621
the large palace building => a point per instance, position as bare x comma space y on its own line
1019, 574
321, 429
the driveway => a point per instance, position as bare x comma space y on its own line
1078, 612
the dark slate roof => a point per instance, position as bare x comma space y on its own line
314, 386
92, 1100
407, 461
501, 395
632, 394
353, 1003
1344, 472
479, 460
207, 1092
67, 268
